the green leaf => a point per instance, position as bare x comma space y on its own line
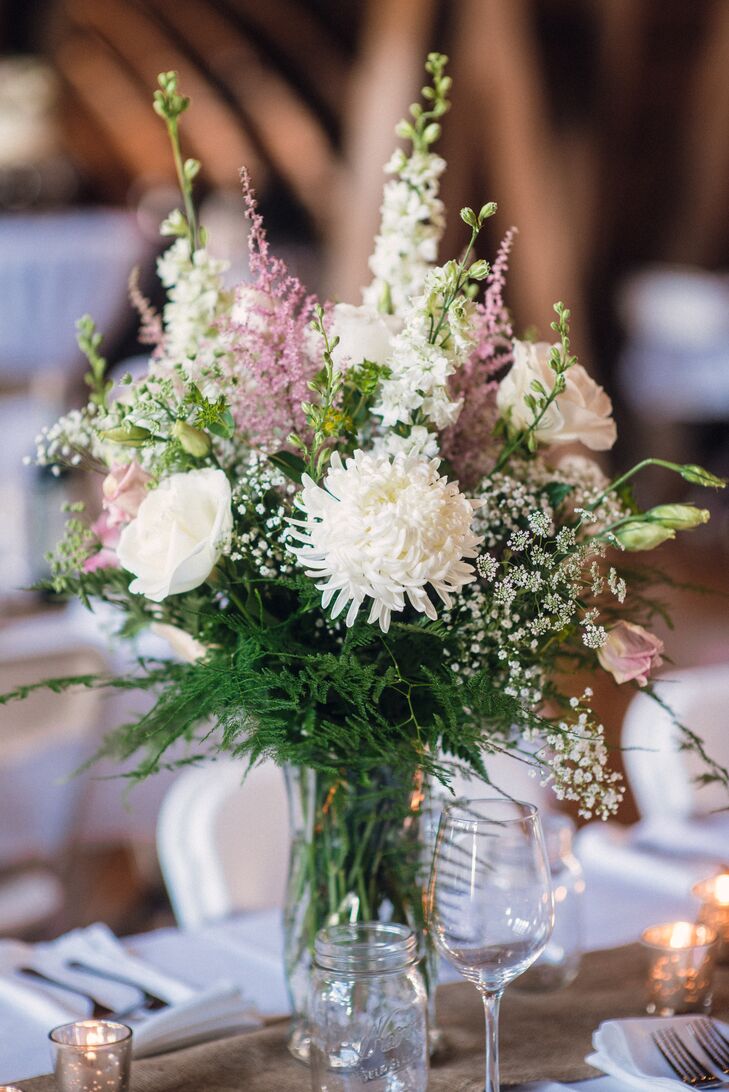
293, 466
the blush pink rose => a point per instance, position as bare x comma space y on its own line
124, 489
108, 535
581, 413
630, 652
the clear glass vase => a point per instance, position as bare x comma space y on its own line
356, 855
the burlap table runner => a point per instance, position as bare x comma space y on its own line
543, 1036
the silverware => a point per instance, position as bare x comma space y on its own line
151, 1001
714, 1045
684, 1063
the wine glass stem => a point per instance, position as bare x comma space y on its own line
491, 1002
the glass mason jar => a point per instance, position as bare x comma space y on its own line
356, 855
559, 963
368, 1010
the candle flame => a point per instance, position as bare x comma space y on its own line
682, 935
721, 889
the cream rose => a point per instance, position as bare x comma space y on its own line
364, 334
581, 413
179, 533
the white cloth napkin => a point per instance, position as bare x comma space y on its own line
614, 851
706, 837
625, 1049
30, 1008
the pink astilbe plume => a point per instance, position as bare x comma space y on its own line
268, 335
150, 325
469, 444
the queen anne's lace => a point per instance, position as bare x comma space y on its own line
385, 529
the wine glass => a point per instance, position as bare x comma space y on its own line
490, 907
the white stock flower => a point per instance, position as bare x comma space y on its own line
180, 531
419, 441
413, 219
364, 334
419, 368
196, 298
581, 413
182, 643
385, 529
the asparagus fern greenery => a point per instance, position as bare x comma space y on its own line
363, 528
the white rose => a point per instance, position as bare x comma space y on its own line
177, 538
182, 643
364, 334
581, 413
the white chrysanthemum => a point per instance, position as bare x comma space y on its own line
385, 528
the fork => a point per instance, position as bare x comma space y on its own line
714, 1045
684, 1063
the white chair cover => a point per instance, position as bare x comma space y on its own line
223, 841
661, 775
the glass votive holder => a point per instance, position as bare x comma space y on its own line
92, 1056
714, 910
682, 957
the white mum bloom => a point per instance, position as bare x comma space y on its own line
385, 529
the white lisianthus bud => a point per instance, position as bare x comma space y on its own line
581, 413
680, 517
180, 531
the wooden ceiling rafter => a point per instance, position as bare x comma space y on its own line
122, 27
290, 137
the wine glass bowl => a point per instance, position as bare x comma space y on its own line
490, 906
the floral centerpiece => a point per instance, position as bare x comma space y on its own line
374, 535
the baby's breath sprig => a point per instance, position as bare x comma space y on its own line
170, 104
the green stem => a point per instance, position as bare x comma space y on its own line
629, 474
459, 283
173, 130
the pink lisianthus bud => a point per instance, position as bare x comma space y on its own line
630, 652
108, 535
124, 489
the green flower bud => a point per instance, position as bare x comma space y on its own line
636, 535
479, 269
680, 517
127, 435
192, 440
469, 217
698, 476
486, 211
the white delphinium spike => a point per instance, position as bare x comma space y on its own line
385, 529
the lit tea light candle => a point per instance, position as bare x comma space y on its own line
714, 912
681, 967
92, 1056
